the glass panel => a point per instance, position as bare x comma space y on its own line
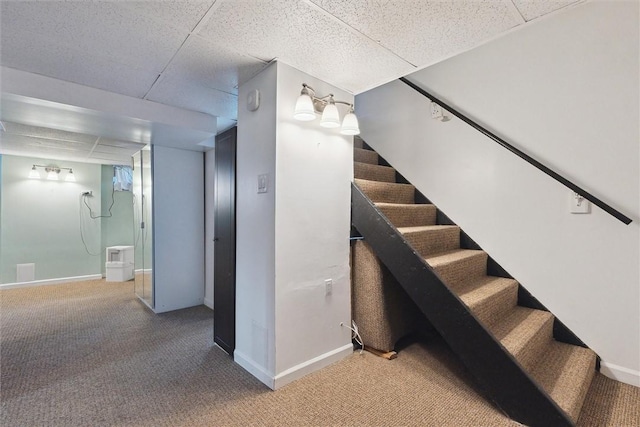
147, 231
137, 220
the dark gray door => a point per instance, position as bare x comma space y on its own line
224, 275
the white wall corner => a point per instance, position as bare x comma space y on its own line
209, 302
620, 373
312, 365
254, 369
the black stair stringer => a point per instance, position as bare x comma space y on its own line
496, 370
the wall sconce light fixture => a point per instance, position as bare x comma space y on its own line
308, 104
52, 172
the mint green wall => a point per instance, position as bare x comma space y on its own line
40, 221
117, 230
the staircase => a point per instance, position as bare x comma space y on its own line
527, 361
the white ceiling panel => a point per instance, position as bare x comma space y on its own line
18, 149
180, 14
106, 29
42, 55
107, 142
192, 96
112, 150
531, 9
213, 66
305, 38
48, 133
423, 32
33, 142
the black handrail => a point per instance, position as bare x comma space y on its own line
593, 199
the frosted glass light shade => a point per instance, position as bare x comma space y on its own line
52, 175
304, 109
34, 173
330, 117
350, 125
70, 176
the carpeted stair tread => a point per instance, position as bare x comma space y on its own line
459, 267
365, 156
374, 172
408, 215
358, 142
490, 298
525, 332
432, 239
565, 372
386, 191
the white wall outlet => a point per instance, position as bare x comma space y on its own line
328, 286
579, 205
263, 183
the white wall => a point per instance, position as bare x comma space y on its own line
41, 222
292, 238
178, 228
255, 230
314, 169
566, 91
209, 215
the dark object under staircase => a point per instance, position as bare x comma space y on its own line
533, 368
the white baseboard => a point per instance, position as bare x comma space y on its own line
620, 373
312, 365
209, 302
257, 371
50, 281
294, 373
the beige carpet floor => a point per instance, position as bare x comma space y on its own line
90, 354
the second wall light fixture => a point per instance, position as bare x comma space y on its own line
52, 173
308, 104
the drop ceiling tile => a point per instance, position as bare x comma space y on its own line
424, 32
48, 133
180, 14
109, 149
531, 9
305, 38
213, 66
17, 149
108, 142
37, 143
191, 96
44, 56
107, 29
123, 158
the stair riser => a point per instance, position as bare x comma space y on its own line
374, 172
491, 310
430, 242
358, 143
365, 156
410, 216
387, 192
531, 353
457, 274
574, 410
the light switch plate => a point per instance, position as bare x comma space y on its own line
263, 183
